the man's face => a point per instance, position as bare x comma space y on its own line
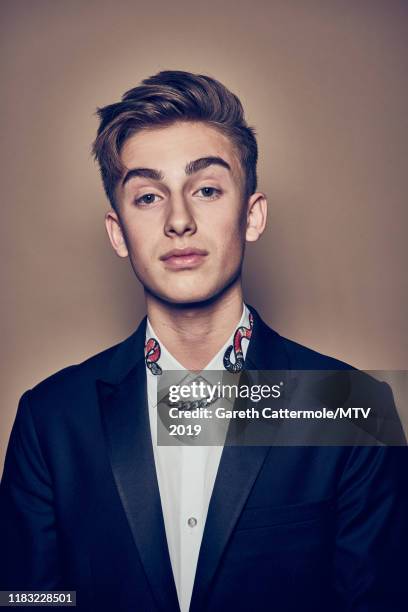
181, 218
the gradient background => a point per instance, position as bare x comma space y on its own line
325, 83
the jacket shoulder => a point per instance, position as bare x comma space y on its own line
305, 358
269, 350
76, 377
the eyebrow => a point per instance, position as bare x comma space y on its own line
191, 168
204, 162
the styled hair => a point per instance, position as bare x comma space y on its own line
161, 100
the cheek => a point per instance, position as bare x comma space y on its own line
231, 243
137, 252
140, 240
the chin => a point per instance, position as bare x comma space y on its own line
185, 295
191, 291
188, 298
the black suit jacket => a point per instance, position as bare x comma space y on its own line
288, 528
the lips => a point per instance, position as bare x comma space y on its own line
184, 258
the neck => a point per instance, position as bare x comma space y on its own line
194, 333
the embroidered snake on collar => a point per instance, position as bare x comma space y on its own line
153, 351
152, 355
241, 333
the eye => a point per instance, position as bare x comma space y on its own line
147, 198
209, 193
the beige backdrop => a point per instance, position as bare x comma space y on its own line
324, 82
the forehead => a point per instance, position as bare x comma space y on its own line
177, 145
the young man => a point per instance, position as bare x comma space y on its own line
91, 502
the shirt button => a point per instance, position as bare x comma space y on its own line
192, 522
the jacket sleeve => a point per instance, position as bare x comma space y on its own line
370, 569
28, 535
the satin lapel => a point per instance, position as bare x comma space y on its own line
127, 430
237, 472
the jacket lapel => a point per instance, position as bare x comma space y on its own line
127, 431
237, 472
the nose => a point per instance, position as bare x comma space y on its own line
179, 220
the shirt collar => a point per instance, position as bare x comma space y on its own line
230, 357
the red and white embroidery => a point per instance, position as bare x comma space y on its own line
241, 333
153, 351
152, 356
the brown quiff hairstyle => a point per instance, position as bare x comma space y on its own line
163, 99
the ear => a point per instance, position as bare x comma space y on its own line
256, 216
115, 233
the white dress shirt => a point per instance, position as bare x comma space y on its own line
186, 476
